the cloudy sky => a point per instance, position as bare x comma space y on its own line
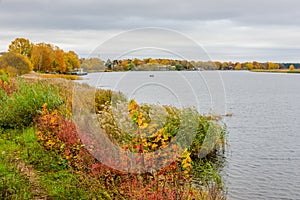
228, 30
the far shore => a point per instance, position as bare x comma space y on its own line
276, 70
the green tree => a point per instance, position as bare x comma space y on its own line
248, 65
129, 66
22, 46
15, 64
108, 64
178, 67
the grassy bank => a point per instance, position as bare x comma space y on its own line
51, 76
43, 154
28, 171
277, 71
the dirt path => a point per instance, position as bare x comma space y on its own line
38, 193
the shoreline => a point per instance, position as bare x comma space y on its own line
287, 71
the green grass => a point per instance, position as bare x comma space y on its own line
53, 179
12, 184
19, 109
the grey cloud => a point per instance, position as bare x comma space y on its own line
127, 14
228, 28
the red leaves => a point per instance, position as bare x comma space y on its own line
9, 86
59, 132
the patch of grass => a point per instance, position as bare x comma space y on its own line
18, 109
12, 184
276, 70
294, 71
53, 179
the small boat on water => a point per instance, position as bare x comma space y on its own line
78, 72
151, 75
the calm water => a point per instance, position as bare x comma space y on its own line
263, 159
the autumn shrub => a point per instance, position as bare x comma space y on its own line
8, 85
15, 64
174, 181
19, 107
153, 136
59, 134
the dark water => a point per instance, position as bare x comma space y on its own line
263, 159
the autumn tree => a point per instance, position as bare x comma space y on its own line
272, 65
292, 67
58, 63
257, 65
124, 63
137, 62
22, 46
153, 61
42, 57
95, 64
71, 61
237, 66
217, 65
15, 64
224, 66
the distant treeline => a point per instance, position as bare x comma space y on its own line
169, 64
24, 56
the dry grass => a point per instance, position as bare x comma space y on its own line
34, 75
64, 76
276, 70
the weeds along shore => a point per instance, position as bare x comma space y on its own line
45, 155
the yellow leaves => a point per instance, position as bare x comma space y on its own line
132, 105
186, 162
136, 114
186, 165
154, 145
50, 144
139, 115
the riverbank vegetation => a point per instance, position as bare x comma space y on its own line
43, 154
278, 71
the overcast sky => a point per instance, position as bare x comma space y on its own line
228, 30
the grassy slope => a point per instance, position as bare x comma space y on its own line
27, 171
